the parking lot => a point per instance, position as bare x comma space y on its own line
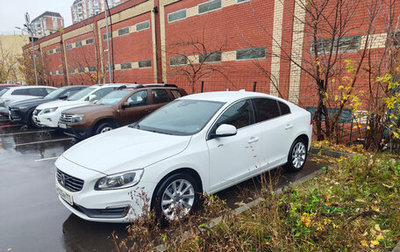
31, 216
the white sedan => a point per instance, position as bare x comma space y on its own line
198, 143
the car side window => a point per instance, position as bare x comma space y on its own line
138, 99
160, 96
266, 109
102, 92
284, 108
49, 90
240, 114
20, 92
176, 94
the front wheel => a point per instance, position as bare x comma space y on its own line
104, 127
297, 156
177, 197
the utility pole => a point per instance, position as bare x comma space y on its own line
108, 42
28, 26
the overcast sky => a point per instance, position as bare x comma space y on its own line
12, 12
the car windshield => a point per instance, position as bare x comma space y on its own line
81, 94
114, 97
181, 117
3, 91
54, 94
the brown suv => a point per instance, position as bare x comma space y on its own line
120, 107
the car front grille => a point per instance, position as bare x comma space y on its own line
69, 182
66, 118
36, 111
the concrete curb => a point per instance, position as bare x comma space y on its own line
332, 153
212, 223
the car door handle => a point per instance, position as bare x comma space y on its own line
253, 140
288, 126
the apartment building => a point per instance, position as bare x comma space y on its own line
47, 23
83, 9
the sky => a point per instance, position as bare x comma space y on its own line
12, 12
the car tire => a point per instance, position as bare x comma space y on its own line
176, 197
297, 156
104, 127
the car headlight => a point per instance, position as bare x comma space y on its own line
76, 118
49, 110
119, 181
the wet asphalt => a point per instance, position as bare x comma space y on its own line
31, 216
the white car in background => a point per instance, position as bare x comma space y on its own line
20, 93
48, 114
198, 143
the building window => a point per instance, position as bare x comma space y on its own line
81, 70
61, 71
126, 66
145, 64
396, 39
210, 57
242, 1
251, 53
92, 69
71, 70
123, 31
53, 72
69, 46
209, 6
58, 49
78, 43
176, 16
105, 35
112, 67
342, 45
89, 41
51, 51
143, 26
177, 61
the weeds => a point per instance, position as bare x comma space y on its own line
352, 206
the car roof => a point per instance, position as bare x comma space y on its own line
23, 87
227, 96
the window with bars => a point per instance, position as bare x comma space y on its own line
209, 6
210, 57
340, 45
176, 16
177, 61
123, 31
251, 53
143, 25
89, 41
126, 66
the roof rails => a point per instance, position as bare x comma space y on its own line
155, 85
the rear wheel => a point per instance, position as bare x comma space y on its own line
176, 197
104, 127
297, 156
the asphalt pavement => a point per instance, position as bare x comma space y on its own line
31, 216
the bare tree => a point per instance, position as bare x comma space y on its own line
193, 58
8, 65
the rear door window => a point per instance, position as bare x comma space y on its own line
102, 92
284, 108
160, 96
23, 91
37, 92
266, 109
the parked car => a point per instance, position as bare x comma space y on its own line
21, 93
22, 111
117, 108
48, 114
198, 143
3, 110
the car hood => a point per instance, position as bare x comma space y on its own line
30, 102
89, 108
125, 148
61, 104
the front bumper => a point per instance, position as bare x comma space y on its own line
46, 120
114, 206
77, 132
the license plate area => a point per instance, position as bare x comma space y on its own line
65, 195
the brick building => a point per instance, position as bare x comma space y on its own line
47, 23
225, 43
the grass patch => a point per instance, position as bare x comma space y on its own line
352, 206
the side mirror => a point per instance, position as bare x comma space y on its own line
92, 98
126, 105
64, 97
225, 130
